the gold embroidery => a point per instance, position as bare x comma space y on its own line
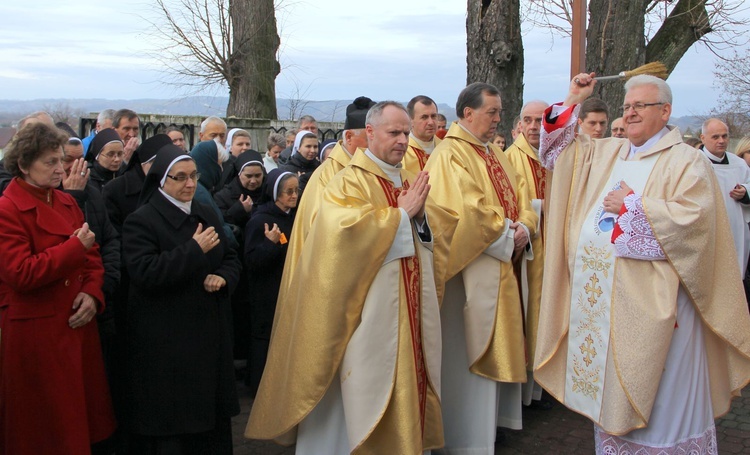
592, 307
597, 259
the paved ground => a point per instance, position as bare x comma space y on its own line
557, 431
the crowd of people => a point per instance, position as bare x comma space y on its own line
407, 288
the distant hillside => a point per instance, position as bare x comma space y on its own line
324, 111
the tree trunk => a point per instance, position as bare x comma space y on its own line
615, 42
685, 25
253, 64
495, 53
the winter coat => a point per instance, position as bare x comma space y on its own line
53, 390
179, 335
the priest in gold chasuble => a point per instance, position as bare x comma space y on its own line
354, 361
643, 325
484, 361
422, 140
523, 155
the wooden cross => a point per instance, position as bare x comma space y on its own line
578, 43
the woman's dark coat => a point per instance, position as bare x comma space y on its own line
264, 264
180, 346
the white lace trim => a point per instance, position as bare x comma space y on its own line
702, 444
552, 144
637, 240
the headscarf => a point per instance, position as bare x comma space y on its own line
330, 143
298, 140
206, 156
273, 182
247, 157
147, 150
102, 138
230, 137
166, 157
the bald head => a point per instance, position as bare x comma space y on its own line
715, 137
531, 121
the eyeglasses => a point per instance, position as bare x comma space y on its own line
638, 107
291, 191
182, 178
111, 155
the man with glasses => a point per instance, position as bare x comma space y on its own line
643, 327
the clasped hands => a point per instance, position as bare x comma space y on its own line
413, 199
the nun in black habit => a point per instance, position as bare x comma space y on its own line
121, 195
105, 155
237, 200
266, 241
179, 331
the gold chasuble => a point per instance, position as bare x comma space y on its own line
415, 157
308, 207
684, 209
353, 324
525, 161
485, 191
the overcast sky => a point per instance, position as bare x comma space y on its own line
331, 49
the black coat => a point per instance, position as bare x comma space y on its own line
179, 335
228, 201
121, 195
299, 165
95, 213
5, 178
100, 176
264, 261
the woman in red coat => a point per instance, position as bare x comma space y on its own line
54, 397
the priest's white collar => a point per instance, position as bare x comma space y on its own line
393, 172
649, 143
428, 147
712, 157
486, 144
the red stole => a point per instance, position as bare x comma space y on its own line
422, 157
411, 274
500, 182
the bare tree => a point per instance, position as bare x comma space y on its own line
495, 52
63, 112
297, 101
204, 43
623, 35
733, 76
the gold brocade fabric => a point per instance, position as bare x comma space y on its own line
526, 163
307, 209
460, 181
415, 158
321, 307
680, 200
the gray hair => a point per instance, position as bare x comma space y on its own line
43, 117
665, 93
106, 114
708, 122
211, 119
375, 112
306, 119
523, 108
472, 96
275, 139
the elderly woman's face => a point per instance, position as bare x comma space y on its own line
46, 171
288, 194
183, 181
110, 158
